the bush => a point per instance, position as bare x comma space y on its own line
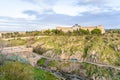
44, 75
41, 61
84, 31
39, 50
96, 31
81, 32
57, 32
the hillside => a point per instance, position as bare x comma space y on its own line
101, 49
96, 48
67, 55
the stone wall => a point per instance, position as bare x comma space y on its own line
90, 28
65, 29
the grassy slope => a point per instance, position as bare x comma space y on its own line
38, 74
43, 75
103, 46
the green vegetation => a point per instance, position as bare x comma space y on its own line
80, 32
16, 42
39, 50
12, 42
113, 30
98, 73
43, 75
80, 44
19, 71
98, 48
89, 71
75, 32
41, 61
96, 31
53, 63
16, 71
13, 70
51, 33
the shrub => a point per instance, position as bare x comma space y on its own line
39, 50
96, 31
84, 31
41, 61
53, 63
80, 32
57, 32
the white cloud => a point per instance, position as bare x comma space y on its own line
14, 9
74, 9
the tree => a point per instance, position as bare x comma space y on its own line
82, 31
47, 32
96, 31
39, 50
69, 33
76, 32
57, 32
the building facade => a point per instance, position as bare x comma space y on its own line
76, 26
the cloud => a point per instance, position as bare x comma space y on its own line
76, 10
15, 9
75, 7
33, 14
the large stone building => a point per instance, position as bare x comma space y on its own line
76, 26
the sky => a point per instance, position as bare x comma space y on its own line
29, 15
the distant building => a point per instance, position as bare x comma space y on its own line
76, 26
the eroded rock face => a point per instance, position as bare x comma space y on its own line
64, 56
72, 67
51, 54
53, 68
93, 56
63, 66
117, 48
77, 55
